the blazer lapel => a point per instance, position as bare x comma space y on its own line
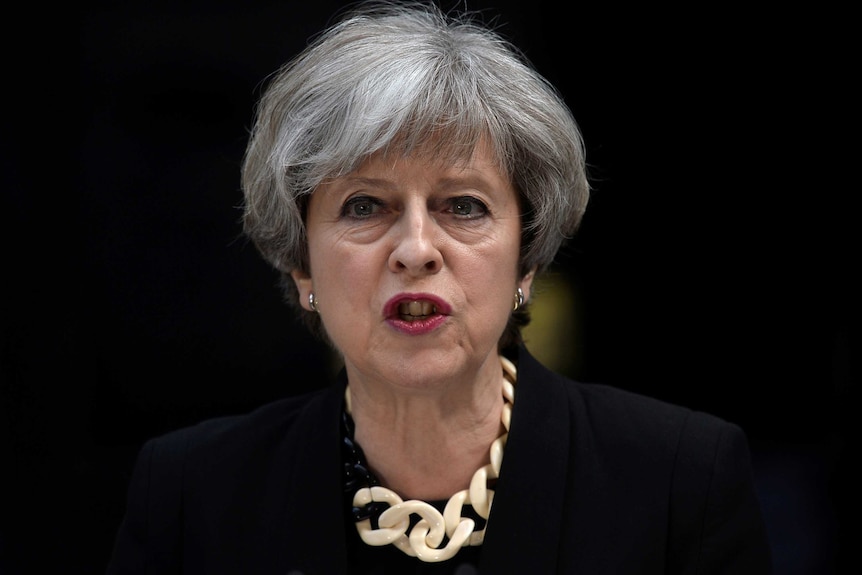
523, 533
317, 545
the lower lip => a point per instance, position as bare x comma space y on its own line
419, 326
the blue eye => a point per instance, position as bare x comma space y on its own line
360, 207
467, 207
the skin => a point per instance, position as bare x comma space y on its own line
416, 225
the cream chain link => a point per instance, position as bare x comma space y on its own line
424, 539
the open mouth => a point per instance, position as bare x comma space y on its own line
410, 311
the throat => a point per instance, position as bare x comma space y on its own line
421, 460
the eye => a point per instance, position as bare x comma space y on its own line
360, 207
468, 207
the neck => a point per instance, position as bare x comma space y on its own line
428, 444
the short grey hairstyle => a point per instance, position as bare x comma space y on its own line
394, 77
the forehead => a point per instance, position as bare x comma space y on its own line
437, 156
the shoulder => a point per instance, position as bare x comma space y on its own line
226, 472
694, 442
626, 410
637, 469
242, 435
605, 415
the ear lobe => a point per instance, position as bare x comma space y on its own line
303, 285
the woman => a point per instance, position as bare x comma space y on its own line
409, 175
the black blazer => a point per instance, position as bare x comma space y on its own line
594, 480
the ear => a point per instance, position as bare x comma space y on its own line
526, 283
303, 285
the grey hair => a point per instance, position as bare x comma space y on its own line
397, 76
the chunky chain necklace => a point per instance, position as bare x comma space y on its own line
383, 518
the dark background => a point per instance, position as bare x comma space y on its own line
715, 268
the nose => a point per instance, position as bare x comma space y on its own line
416, 249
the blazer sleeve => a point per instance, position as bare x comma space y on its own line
717, 524
149, 539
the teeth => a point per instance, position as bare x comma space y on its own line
413, 309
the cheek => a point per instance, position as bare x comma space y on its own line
342, 270
491, 277
343, 281
501, 258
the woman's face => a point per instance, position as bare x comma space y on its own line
414, 264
